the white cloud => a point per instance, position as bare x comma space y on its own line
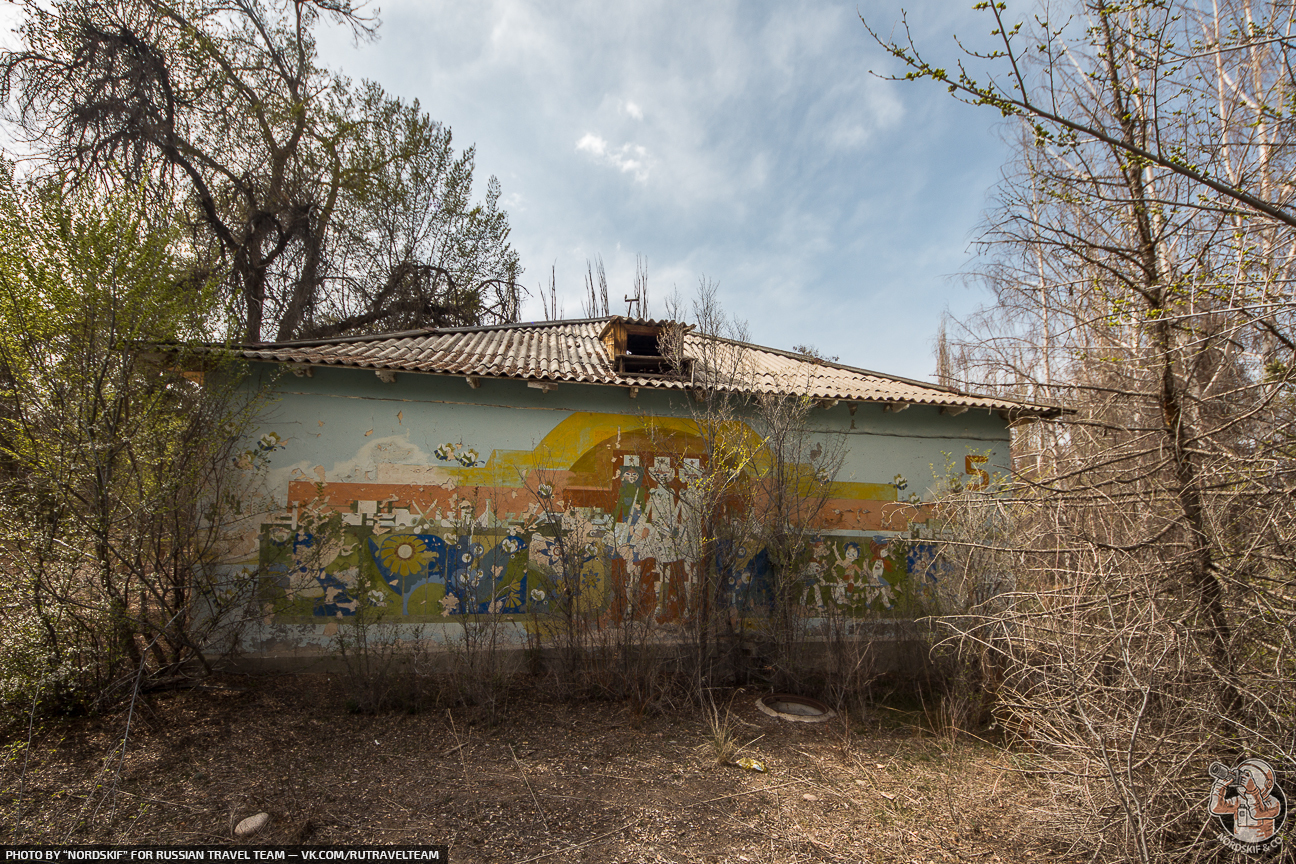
592, 143
628, 158
816, 194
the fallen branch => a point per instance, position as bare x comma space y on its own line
536, 800
748, 792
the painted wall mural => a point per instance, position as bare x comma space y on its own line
603, 509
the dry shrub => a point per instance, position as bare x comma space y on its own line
1129, 594
1106, 669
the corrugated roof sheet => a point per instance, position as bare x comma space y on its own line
572, 351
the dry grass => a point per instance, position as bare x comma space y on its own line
724, 738
547, 781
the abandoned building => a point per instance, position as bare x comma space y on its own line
429, 475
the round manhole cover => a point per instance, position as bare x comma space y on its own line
798, 709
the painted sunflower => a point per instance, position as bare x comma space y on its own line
403, 555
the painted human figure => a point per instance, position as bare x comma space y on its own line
662, 508
815, 587
1254, 808
878, 587
814, 584
688, 511
629, 501
850, 579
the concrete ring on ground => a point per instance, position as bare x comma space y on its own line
797, 709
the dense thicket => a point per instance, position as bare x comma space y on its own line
1141, 261
111, 466
197, 176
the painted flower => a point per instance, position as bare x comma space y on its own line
449, 603
467, 458
445, 452
478, 549
466, 557
403, 554
899, 482
545, 490
510, 545
537, 594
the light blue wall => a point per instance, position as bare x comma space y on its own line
342, 445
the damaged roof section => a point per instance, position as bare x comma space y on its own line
603, 351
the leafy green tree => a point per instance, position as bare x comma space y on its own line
285, 168
409, 247
113, 467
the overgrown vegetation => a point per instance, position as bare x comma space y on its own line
1121, 606
113, 467
195, 176
1128, 602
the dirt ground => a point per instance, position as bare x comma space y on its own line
553, 781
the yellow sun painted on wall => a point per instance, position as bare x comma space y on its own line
404, 555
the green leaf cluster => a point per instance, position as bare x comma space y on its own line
108, 453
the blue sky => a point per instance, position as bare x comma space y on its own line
746, 143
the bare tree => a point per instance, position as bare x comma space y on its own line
763, 477
596, 304
1141, 261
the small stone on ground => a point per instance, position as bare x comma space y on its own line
252, 825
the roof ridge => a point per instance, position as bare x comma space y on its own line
425, 331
